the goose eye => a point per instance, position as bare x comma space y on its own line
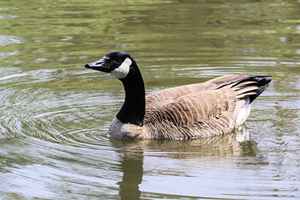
113, 63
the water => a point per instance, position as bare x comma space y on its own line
55, 113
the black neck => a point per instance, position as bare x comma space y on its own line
133, 109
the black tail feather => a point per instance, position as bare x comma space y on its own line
251, 86
261, 82
245, 86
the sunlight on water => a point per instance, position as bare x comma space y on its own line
55, 114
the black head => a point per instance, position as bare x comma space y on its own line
116, 63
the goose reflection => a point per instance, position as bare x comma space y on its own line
132, 155
132, 168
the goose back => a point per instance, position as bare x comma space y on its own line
207, 109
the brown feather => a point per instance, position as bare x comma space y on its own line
192, 116
198, 110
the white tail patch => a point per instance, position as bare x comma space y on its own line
243, 113
123, 69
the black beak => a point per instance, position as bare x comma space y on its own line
87, 66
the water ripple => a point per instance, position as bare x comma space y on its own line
7, 40
55, 115
61, 117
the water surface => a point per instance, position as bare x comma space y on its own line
55, 114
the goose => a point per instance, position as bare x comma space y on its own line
200, 110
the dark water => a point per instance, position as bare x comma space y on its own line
54, 113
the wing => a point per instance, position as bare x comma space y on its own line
196, 115
166, 96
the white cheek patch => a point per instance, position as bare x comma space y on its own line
123, 69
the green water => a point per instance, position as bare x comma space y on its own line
55, 114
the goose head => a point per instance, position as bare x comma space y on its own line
118, 64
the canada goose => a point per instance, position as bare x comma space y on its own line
212, 108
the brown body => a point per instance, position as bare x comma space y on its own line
195, 111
